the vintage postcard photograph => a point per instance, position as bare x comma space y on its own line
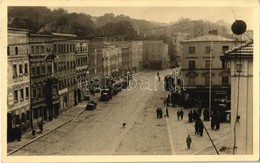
130, 81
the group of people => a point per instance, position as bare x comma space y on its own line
194, 115
172, 99
159, 112
198, 127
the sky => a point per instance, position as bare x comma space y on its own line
172, 14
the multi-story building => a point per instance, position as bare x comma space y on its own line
136, 55
111, 54
41, 69
81, 49
155, 54
18, 80
239, 63
95, 60
176, 46
65, 70
196, 65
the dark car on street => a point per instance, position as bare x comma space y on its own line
91, 105
106, 95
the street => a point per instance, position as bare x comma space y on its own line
100, 132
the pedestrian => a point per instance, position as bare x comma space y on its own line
217, 121
200, 128
19, 133
196, 127
167, 113
181, 114
33, 132
190, 116
188, 141
158, 112
159, 78
212, 122
206, 114
178, 114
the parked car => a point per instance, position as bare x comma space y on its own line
91, 105
225, 116
106, 94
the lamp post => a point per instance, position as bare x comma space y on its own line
210, 75
88, 86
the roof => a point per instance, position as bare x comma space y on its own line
64, 34
208, 37
244, 49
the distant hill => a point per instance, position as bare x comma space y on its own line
44, 20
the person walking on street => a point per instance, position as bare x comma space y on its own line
178, 114
158, 112
181, 114
166, 112
188, 141
190, 116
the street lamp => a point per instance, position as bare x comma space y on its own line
88, 86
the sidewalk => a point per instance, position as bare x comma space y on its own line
49, 126
179, 130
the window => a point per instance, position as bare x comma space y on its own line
33, 71
20, 69
207, 64
207, 50
15, 95
225, 80
25, 68
207, 81
27, 92
191, 81
224, 48
16, 50
192, 64
39, 92
21, 92
49, 69
55, 66
38, 71
43, 69
68, 65
8, 50
34, 93
192, 50
239, 67
14, 71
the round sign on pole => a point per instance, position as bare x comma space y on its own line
238, 27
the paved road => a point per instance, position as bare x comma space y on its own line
100, 132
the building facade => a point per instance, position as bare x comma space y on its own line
82, 59
40, 48
239, 62
65, 71
155, 54
136, 52
200, 56
18, 80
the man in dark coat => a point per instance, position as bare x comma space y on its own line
166, 112
158, 113
196, 126
190, 116
181, 114
200, 128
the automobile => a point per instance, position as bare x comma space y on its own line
91, 105
225, 116
106, 94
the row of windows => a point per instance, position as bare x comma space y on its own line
40, 70
16, 50
21, 69
82, 61
192, 49
67, 82
38, 92
192, 64
224, 80
22, 92
61, 66
63, 48
40, 49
